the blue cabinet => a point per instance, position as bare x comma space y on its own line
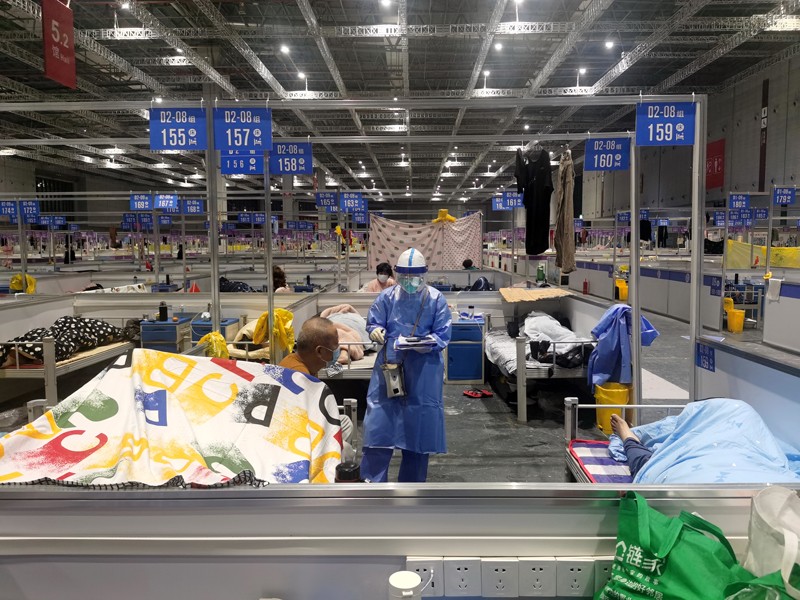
464, 356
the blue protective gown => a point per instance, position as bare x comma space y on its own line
414, 422
611, 358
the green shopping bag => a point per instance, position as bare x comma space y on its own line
768, 587
663, 558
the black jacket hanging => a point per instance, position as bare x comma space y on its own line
535, 182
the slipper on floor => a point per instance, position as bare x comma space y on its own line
485, 393
473, 393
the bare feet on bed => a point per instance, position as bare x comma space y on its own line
622, 429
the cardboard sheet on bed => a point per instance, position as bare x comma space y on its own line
525, 295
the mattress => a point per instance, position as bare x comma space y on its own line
597, 463
501, 350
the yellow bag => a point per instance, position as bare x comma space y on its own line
444, 217
283, 329
217, 346
16, 284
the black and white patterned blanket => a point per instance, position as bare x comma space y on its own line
71, 334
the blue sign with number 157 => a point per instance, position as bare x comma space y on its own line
665, 124
243, 129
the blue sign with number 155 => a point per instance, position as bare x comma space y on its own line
178, 129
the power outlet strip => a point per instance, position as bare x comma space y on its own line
462, 576
430, 569
575, 577
500, 577
537, 577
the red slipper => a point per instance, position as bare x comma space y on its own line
473, 393
486, 393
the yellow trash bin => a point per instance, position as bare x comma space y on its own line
727, 304
610, 393
622, 286
735, 320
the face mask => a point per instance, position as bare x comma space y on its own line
411, 284
383, 278
335, 358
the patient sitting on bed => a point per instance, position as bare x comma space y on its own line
637, 453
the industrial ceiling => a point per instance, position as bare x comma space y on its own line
395, 51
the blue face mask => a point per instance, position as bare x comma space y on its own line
335, 358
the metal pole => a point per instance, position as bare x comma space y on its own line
212, 173
614, 258
522, 381
253, 241
23, 246
633, 283
268, 244
698, 224
724, 261
184, 246
347, 239
156, 247
769, 234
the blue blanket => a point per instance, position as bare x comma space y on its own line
713, 441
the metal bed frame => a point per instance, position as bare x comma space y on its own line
50, 370
571, 408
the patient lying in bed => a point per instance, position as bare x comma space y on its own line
352, 328
712, 441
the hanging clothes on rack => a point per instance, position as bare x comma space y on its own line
565, 214
535, 183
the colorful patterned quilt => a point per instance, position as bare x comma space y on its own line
155, 419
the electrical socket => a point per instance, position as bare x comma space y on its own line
425, 566
500, 577
574, 577
462, 576
537, 577
602, 571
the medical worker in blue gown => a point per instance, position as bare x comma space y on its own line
414, 423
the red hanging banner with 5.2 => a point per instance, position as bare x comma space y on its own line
59, 43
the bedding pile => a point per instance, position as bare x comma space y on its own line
352, 327
71, 334
159, 419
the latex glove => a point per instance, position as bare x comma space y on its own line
378, 335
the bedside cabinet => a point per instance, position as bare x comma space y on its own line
464, 354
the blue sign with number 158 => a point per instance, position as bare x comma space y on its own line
665, 124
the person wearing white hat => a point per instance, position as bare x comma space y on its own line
412, 421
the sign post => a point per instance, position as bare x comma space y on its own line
59, 43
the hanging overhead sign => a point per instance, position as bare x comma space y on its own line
178, 129
762, 214
607, 154
243, 129
193, 207
30, 209
512, 200
784, 196
499, 204
59, 43
361, 218
351, 202
8, 208
164, 220
245, 218
242, 163
665, 124
719, 218
165, 201
141, 202
739, 201
328, 200
662, 223
74, 227
290, 159
624, 217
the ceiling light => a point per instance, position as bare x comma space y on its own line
494, 161
386, 2
179, 50
395, 98
609, 44
498, 46
284, 49
519, 1
125, 5
455, 147
361, 162
527, 127
582, 70
301, 75
408, 193
487, 73
159, 99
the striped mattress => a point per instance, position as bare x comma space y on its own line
598, 465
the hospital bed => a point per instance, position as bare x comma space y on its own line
588, 461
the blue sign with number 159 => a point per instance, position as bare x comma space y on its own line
665, 124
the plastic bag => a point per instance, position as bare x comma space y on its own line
217, 346
774, 529
15, 285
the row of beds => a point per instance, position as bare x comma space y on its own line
587, 460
